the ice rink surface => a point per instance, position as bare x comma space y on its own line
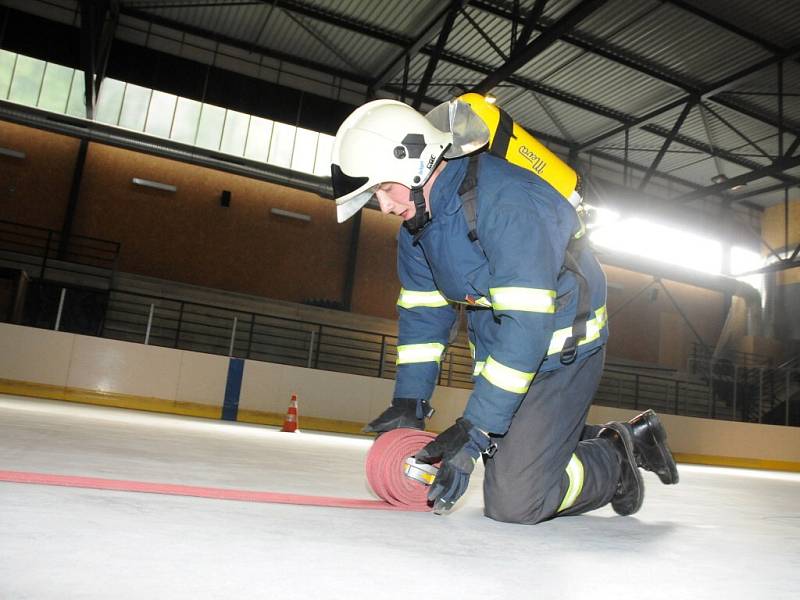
721, 533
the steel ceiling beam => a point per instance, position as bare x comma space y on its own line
582, 41
753, 114
736, 78
772, 170
704, 94
93, 58
534, 14
738, 132
564, 143
486, 37
384, 36
452, 58
241, 44
726, 155
355, 77
646, 67
544, 90
744, 195
792, 147
412, 47
433, 59
546, 39
665, 146
728, 26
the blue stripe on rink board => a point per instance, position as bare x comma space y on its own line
233, 388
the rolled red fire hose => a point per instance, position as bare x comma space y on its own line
385, 468
385, 462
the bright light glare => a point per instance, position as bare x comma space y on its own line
640, 237
744, 260
600, 217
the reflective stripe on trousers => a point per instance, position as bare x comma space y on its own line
575, 474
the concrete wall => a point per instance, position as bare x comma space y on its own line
36, 362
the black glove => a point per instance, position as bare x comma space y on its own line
404, 412
458, 447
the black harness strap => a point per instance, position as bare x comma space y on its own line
570, 349
468, 192
503, 135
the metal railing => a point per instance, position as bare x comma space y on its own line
759, 394
44, 252
624, 389
205, 328
758, 391
701, 356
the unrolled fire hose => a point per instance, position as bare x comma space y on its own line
392, 473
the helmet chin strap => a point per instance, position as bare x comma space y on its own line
421, 217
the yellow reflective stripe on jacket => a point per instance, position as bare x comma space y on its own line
471, 349
593, 329
414, 299
505, 377
417, 353
575, 474
522, 298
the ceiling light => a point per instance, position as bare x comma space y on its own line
156, 185
11, 153
290, 215
722, 178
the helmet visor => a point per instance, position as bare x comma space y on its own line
347, 206
351, 193
469, 131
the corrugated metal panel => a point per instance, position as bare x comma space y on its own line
555, 9
285, 34
555, 58
449, 75
662, 35
687, 45
406, 18
722, 136
369, 55
702, 171
580, 123
615, 17
465, 40
600, 80
765, 84
528, 110
777, 20
240, 22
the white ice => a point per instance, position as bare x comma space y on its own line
721, 533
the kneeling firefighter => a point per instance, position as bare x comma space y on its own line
506, 242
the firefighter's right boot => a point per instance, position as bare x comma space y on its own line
629, 495
650, 447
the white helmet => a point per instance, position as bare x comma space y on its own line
383, 141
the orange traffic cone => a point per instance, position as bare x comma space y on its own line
290, 423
